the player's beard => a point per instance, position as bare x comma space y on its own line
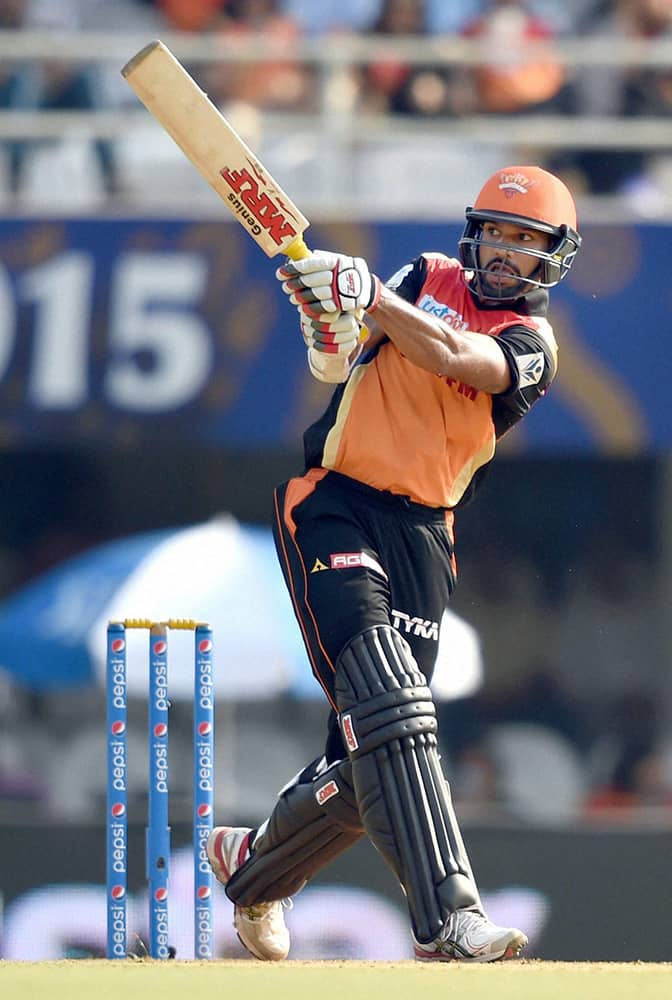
500, 279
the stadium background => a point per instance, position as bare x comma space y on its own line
151, 378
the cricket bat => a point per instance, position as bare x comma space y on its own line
217, 151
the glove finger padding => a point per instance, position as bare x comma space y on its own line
332, 323
295, 284
313, 301
318, 260
304, 299
330, 333
340, 283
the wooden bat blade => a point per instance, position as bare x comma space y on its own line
217, 151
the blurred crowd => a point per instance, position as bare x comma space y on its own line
575, 718
511, 83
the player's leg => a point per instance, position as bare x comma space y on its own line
332, 569
336, 599
388, 721
315, 817
346, 581
314, 820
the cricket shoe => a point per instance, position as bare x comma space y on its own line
468, 936
261, 928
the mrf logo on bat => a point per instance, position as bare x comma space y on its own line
255, 205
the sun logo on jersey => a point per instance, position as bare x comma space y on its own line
516, 183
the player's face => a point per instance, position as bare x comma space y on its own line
502, 256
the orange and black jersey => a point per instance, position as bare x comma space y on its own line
397, 427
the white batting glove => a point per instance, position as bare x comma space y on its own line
330, 333
332, 368
329, 282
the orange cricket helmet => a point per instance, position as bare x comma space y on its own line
525, 196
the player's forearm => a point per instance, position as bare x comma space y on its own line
432, 344
421, 337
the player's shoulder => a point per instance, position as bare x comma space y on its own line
528, 315
429, 270
441, 271
538, 326
531, 337
543, 328
440, 261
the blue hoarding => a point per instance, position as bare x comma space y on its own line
129, 331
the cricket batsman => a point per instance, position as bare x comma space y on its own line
457, 351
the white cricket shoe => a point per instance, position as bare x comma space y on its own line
261, 928
468, 936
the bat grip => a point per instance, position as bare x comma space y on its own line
297, 250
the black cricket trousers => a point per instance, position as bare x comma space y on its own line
354, 557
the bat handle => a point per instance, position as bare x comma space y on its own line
299, 249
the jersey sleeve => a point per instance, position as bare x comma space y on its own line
407, 282
531, 355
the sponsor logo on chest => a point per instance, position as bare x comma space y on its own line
443, 311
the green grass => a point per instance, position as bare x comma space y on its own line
250, 980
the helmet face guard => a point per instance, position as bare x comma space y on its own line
532, 198
553, 264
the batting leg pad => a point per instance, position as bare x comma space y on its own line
314, 820
388, 722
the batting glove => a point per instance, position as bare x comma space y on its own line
330, 333
329, 282
332, 368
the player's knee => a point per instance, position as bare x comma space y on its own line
381, 693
